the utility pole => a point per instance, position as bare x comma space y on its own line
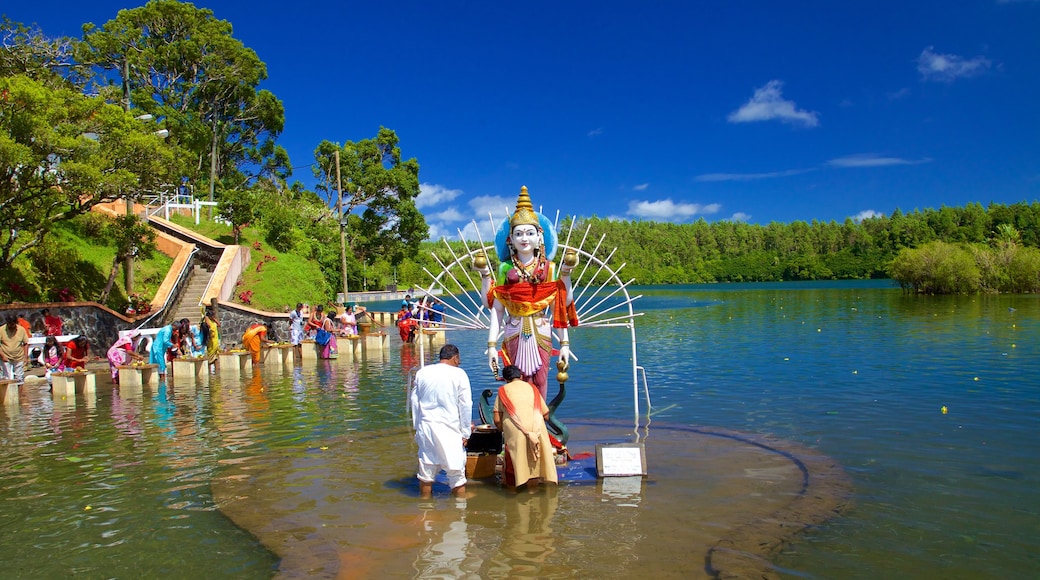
342, 228
213, 162
128, 265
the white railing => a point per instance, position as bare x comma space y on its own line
165, 202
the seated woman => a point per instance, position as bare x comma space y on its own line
77, 351
52, 323
53, 357
520, 413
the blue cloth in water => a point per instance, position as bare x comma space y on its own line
577, 471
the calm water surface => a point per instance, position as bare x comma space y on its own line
119, 486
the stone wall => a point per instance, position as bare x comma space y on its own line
236, 318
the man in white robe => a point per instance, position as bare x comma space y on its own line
442, 414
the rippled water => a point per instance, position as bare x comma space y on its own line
118, 486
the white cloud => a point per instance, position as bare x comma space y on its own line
768, 104
497, 205
748, 176
431, 194
449, 215
641, 187
487, 232
668, 210
595, 132
866, 214
949, 67
873, 160
739, 217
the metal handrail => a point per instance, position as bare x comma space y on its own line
178, 289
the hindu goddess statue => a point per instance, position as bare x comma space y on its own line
527, 285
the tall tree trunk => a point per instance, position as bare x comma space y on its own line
111, 281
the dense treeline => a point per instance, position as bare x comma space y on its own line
661, 253
991, 240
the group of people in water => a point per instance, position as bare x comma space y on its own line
55, 355
177, 339
323, 327
425, 312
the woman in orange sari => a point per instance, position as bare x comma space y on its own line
253, 339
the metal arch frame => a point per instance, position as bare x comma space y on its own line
590, 306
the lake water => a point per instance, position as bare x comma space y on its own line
120, 486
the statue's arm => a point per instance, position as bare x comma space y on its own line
495, 324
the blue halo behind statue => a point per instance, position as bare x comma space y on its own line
548, 234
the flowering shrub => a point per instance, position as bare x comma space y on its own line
64, 295
138, 304
266, 259
17, 289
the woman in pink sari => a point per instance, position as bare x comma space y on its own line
122, 353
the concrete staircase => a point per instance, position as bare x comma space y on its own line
188, 305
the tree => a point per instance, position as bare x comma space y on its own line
937, 268
179, 63
133, 239
27, 51
239, 207
61, 153
382, 187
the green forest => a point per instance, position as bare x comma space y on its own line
945, 250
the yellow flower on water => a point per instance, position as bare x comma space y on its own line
944, 409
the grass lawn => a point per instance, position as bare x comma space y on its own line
272, 281
73, 264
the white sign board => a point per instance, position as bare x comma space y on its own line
619, 459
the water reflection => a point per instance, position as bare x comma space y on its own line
528, 539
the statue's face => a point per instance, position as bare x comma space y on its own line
525, 238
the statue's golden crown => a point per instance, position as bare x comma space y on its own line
524, 214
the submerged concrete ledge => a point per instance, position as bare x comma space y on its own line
716, 504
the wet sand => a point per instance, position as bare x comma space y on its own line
716, 504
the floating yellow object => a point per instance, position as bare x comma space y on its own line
855, 372
944, 409
324, 447
819, 330
88, 508
976, 378
786, 358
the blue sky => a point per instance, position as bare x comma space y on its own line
755, 111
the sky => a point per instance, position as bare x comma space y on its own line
754, 111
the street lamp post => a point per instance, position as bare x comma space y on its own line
128, 264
